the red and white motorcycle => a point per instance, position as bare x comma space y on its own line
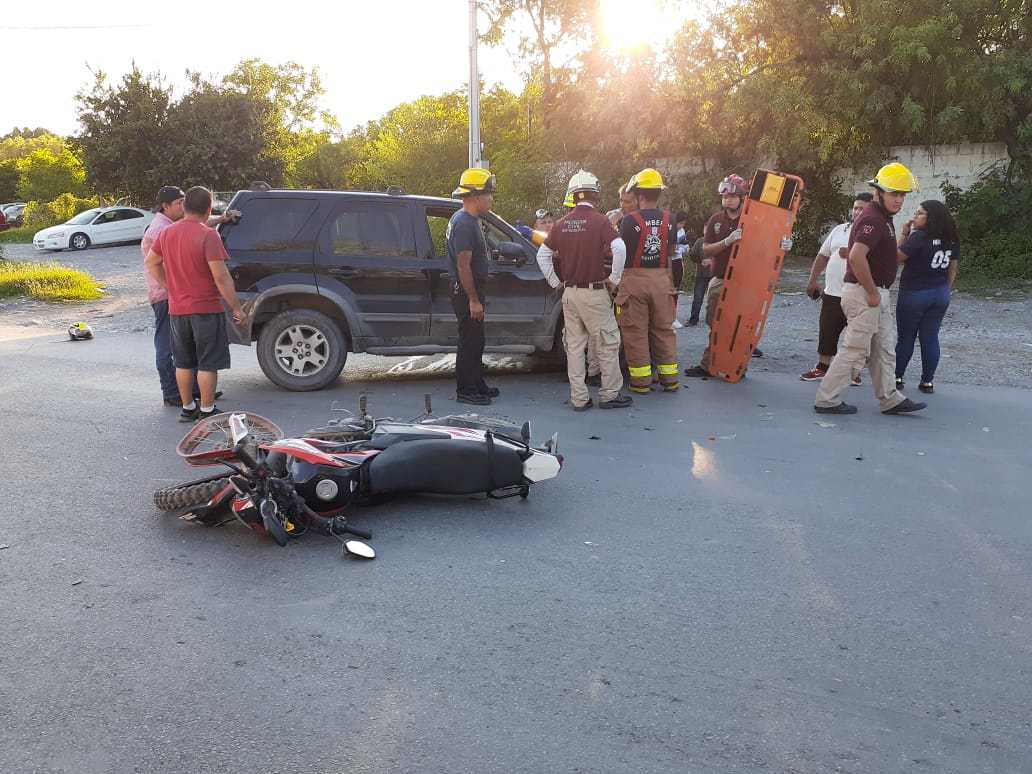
285, 487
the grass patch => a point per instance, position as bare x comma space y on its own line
47, 282
18, 236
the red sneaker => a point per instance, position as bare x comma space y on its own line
814, 375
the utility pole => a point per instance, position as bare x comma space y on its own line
475, 146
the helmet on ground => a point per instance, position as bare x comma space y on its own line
895, 177
583, 181
733, 184
646, 180
475, 180
79, 331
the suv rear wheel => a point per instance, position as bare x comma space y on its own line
302, 350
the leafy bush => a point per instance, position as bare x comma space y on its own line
42, 214
994, 218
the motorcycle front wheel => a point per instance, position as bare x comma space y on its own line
192, 493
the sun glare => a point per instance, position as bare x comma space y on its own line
629, 24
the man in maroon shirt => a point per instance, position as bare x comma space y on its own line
188, 259
870, 337
581, 237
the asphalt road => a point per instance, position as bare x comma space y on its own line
719, 581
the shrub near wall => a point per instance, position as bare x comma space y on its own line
995, 224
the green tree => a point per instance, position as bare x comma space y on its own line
42, 176
124, 132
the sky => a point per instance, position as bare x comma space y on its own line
370, 56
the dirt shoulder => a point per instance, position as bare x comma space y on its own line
986, 338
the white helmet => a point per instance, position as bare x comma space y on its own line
583, 181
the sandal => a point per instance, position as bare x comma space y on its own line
926, 387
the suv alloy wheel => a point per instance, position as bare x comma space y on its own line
302, 350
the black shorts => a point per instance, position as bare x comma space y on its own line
832, 323
200, 341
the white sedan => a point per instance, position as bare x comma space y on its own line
99, 226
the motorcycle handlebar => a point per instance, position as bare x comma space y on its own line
346, 528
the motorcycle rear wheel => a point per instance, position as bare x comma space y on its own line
189, 494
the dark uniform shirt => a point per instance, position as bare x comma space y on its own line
464, 234
717, 228
652, 256
582, 237
873, 227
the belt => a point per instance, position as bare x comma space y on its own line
883, 287
588, 285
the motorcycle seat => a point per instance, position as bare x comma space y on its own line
449, 466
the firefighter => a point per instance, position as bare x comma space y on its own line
645, 302
582, 237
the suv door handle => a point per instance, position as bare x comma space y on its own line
343, 272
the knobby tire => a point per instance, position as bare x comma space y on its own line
189, 494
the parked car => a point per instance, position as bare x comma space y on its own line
13, 212
99, 226
323, 273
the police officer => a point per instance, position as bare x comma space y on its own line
646, 300
582, 237
467, 273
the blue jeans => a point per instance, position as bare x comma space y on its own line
163, 350
919, 316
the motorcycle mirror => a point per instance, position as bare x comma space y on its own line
525, 432
358, 549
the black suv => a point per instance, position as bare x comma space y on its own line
323, 273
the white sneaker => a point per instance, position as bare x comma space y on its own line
677, 324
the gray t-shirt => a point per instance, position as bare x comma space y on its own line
464, 234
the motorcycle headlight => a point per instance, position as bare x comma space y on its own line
326, 489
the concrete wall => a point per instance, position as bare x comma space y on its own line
960, 165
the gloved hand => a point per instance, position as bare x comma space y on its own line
733, 237
786, 243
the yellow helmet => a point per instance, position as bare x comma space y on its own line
568, 201
475, 180
895, 177
647, 179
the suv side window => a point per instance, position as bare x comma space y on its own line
370, 228
437, 220
270, 224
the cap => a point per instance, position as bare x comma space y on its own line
167, 195
543, 213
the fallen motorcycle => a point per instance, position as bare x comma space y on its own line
285, 487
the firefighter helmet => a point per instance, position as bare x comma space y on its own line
895, 177
733, 184
79, 331
646, 180
475, 180
583, 181
568, 201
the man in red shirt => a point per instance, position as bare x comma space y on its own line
189, 260
870, 337
582, 237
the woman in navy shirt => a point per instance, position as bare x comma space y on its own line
929, 256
